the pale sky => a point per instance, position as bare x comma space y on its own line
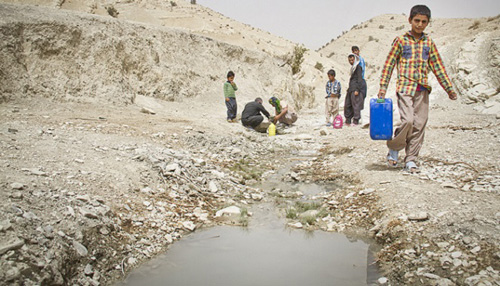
315, 22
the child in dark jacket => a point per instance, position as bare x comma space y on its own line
354, 100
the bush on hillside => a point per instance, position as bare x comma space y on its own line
319, 66
494, 18
297, 58
112, 11
381, 27
475, 25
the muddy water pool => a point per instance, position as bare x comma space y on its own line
266, 252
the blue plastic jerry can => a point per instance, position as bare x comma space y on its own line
381, 118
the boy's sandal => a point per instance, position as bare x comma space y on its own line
411, 167
392, 158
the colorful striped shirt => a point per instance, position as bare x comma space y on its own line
414, 58
333, 88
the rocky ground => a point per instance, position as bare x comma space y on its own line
90, 192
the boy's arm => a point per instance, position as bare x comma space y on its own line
328, 89
437, 67
233, 84
390, 62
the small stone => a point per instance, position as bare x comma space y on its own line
382, 280
168, 238
467, 240
309, 213
83, 198
189, 225
5, 225
420, 216
449, 185
456, 254
88, 213
333, 202
172, 167
257, 197
232, 210
17, 195
104, 230
322, 133
147, 111
366, 191
296, 225
12, 274
212, 186
146, 203
17, 186
476, 249
431, 276
11, 245
131, 261
80, 248
71, 211
350, 195
30, 216
88, 270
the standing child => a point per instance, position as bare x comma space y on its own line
230, 97
354, 99
333, 90
355, 50
414, 53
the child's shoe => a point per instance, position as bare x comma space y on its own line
392, 158
411, 167
328, 124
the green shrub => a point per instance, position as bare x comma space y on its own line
297, 58
112, 11
319, 66
475, 25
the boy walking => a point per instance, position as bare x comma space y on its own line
333, 90
230, 97
414, 53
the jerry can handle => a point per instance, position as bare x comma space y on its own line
380, 100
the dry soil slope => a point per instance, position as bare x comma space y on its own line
305, 89
80, 57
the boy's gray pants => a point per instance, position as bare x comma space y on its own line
414, 112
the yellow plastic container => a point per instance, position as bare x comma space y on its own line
271, 130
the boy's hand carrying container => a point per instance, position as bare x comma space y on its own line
381, 118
